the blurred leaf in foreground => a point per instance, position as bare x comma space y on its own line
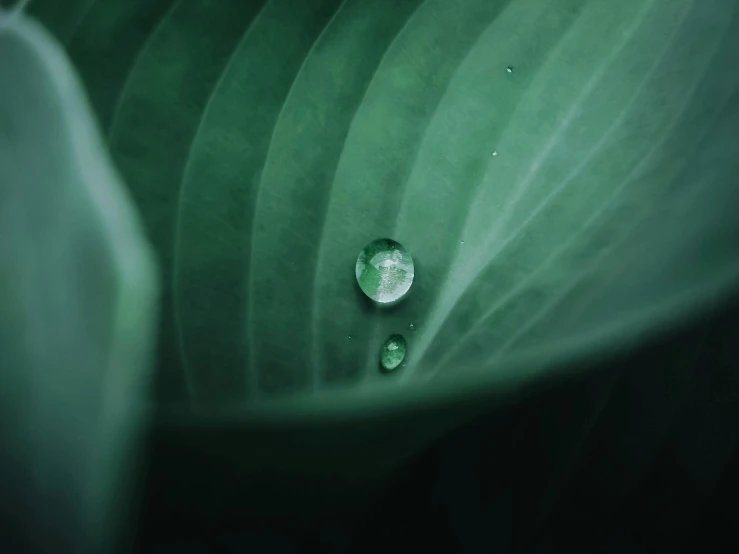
77, 309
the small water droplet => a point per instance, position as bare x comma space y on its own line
495, 153
384, 271
349, 337
461, 242
393, 352
509, 69
412, 327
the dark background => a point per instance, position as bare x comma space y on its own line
638, 453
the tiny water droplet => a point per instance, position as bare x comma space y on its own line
384, 271
509, 69
412, 327
393, 352
461, 242
495, 153
349, 337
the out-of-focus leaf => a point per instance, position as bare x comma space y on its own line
266, 143
77, 310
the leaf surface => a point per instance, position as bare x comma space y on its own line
266, 143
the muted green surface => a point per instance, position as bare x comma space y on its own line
265, 143
77, 312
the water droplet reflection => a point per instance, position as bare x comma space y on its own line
384, 271
393, 352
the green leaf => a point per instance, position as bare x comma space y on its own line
77, 308
266, 143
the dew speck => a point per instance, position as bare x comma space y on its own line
495, 153
393, 352
461, 242
384, 271
509, 69
349, 337
412, 327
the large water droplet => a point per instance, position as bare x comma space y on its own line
393, 352
384, 271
